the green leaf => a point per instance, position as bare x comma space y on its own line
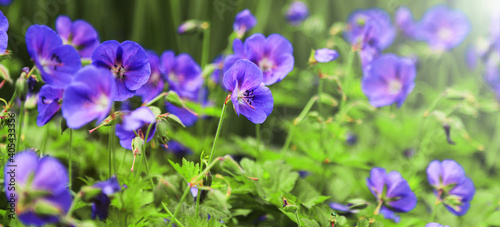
188, 170
315, 201
174, 119
174, 99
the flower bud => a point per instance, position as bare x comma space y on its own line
229, 165
174, 99
88, 193
43, 208
163, 192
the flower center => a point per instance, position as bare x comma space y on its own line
266, 65
118, 70
395, 86
445, 34
246, 96
102, 102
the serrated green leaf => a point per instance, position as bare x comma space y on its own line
188, 170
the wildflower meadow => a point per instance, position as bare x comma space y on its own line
250, 113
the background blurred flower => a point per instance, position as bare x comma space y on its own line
297, 12
184, 76
325, 55
392, 191
404, 20
178, 149
129, 64
138, 122
89, 97
41, 184
100, 204
243, 22
442, 28
79, 34
249, 95
388, 79
57, 63
434, 224
49, 103
451, 186
273, 55
155, 84
370, 27
4, 26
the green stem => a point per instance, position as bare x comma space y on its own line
297, 120
20, 127
347, 76
218, 132
110, 142
170, 213
434, 211
144, 150
69, 159
197, 203
72, 208
147, 171
180, 202
206, 47
377, 209
298, 219
257, 135
156, 98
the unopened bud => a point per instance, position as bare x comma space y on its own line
229, 165
43, 208
174, 99
89, 193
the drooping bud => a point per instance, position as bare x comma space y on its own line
174, 99
447, 128
229, 165
163, 192
192, 26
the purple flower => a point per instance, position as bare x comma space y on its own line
182, 73
392, 190
178, 149
38, 183
5, 2
303, 173
434, 224
243, 22
325, 55
138, 122
89, 97
273, 55
129, 64
78, 34
405, 22
49, 103
155, 84
100, 204
371, 27
451, 186
249, 95
57, 63
388, 79
4, 39
340, 207
442, 28
297, 13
